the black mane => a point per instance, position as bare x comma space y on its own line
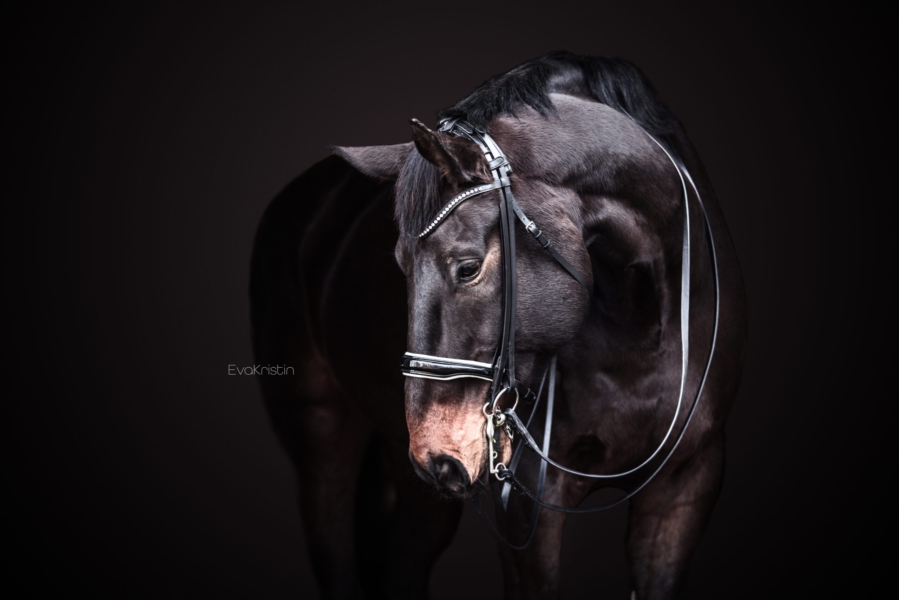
611, 81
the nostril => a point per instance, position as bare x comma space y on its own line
444, 471
449, 474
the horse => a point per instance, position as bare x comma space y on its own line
629, 357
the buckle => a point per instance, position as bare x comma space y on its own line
463, 126
497, 162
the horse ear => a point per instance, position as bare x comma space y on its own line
383, 162
460, 160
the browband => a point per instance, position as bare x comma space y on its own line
459, 199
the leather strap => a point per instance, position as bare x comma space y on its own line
519, 447
541, 480
547, 245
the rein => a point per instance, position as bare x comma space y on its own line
501, 372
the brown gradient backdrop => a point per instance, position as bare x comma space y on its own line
144, 144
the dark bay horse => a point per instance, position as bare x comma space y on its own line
599, 162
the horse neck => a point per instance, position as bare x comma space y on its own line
629, 207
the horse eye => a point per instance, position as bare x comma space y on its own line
469, 270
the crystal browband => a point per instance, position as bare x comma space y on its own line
459, 199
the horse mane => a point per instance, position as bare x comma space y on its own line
614, 82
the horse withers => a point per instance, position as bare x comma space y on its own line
558, 243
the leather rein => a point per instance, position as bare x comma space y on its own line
501, 371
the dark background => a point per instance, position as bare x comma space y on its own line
143, 145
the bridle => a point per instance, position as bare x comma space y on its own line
501, 372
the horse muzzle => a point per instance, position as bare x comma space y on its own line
445, 473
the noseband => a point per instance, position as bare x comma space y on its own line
501, 372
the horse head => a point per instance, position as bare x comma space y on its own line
582, 174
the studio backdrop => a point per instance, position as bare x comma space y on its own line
144, 143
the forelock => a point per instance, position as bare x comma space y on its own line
417, 195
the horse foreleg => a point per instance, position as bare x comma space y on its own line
328, 442
667, 519
533, 573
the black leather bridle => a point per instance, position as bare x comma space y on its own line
501, 372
